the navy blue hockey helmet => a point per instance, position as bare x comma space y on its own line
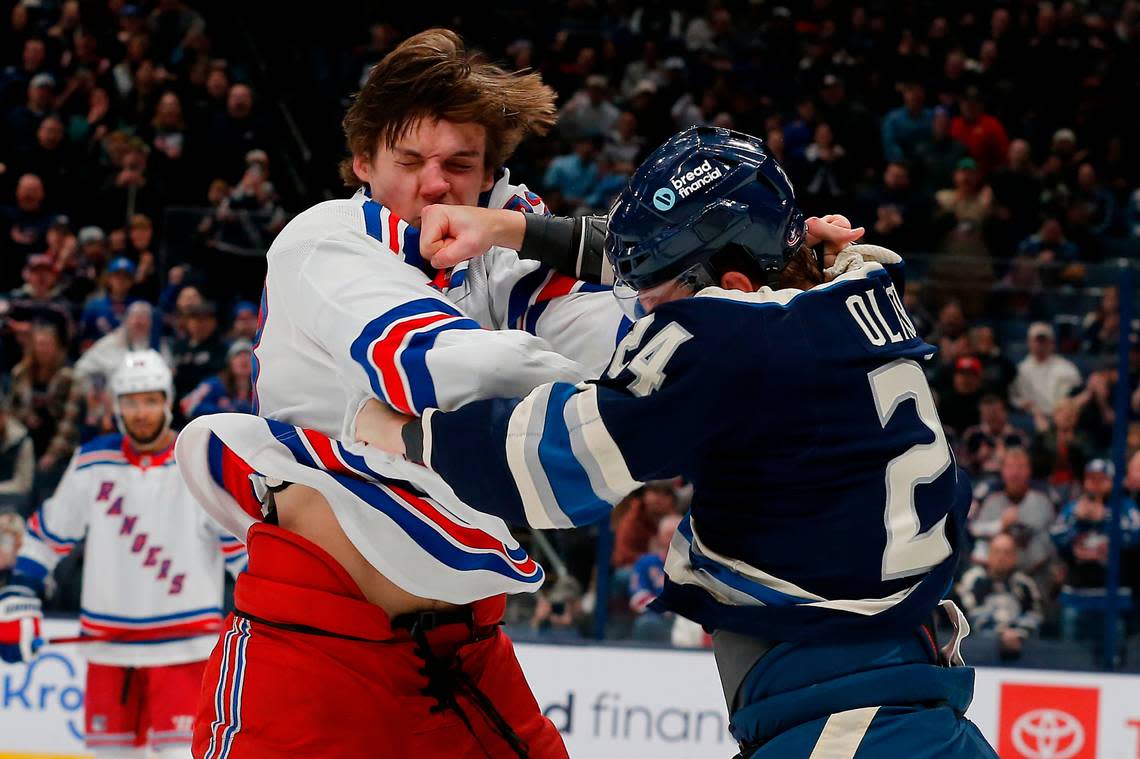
703, 189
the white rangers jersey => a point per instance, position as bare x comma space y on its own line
350, 311
153, 574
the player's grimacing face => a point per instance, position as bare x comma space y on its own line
144, 415
435, 162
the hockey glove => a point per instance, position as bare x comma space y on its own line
21, 624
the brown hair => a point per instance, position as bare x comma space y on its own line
802, 270
433, 75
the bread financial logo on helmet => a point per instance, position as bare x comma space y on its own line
664, 199
691, 181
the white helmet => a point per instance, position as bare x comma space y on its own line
142, 372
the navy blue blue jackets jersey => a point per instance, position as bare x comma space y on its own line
826, 499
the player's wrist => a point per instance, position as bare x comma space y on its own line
508, 228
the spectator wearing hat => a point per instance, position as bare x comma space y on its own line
958, 403
1043, 378
230, 390
83, 270
590, 112
1081, 536
60, 242
986, 442
39, 300
906, 128
1020, 509
17, 461
21, 122
24, 227
969, 200
105, 313
1000, 600
201, 353
244, 322
983, 135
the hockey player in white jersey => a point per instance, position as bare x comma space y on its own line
368, 617
153, 575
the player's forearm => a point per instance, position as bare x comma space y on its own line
571, 246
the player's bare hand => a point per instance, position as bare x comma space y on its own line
834, 231
452, 234
379, 426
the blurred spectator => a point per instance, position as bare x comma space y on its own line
17, 464
1101, 326
173, 27
1081, 535
647, 581
1019, 293
917, 311
986, 442
822, 176
45, 398
908, 127
128, 191
1000, 600
858, 127
15, 78
1021, 510
201, 353
800, 131
638, 526
982, 134
590, 112
25, 226
21, 122
232, 134
623, 144
172, 162
103, 314
1060, 450
88, 127
230, 390
958, 403
646, 68
136, 332
574, 175
11, 538
970, 200
1017, 192
39, 300
1043, 378
244, 326
998, 372
84, 270
1094, 207
49, 158
1049, 244
1095, 404
140, 244
558, 608
939, 156
899, 213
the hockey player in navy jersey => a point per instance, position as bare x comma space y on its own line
153, 578
827, 515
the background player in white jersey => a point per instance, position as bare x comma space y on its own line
153, 580
389, 634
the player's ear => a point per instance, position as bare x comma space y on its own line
734, 280
362, 167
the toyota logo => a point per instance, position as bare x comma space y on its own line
1048, 734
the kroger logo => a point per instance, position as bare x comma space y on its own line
664, 199
47, 685
1048, 734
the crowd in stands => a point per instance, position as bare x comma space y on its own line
983, 141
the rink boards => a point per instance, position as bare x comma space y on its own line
612, 702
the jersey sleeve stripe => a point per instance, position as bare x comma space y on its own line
232, 474
524, 430
392, 349
38, 529
521, 294
596, 449
569, 480
438, 531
